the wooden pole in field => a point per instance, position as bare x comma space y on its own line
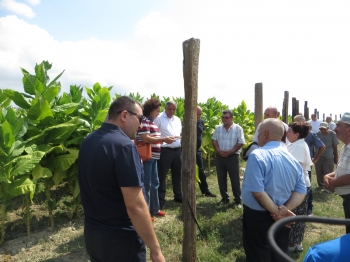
189, 145
293, 106
285, 107
306, 111
258, 110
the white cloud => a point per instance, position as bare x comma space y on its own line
18, 8
34, 2
298, 47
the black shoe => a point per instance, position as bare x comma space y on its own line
309, 212
178, 200
209, 194
224, 201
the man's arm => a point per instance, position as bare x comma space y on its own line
234, 149
266, 202
340, 181
319, 154
138, 212
294, 200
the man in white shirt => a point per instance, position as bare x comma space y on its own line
314, 123
169, 125
331, 124
270, 112
339, 180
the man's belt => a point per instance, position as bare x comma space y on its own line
171, 148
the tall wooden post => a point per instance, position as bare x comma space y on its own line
258, 110
285, 107
293, 107
306, 111
189, 145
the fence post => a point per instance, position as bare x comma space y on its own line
189, 144
258, 110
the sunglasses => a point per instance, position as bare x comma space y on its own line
140, 117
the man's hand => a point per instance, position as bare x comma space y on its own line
158, 257
282, 213
314, 160
326, 181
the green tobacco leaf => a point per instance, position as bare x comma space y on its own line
39, 110
25, 164
31, 83
6, 136
105, 97
19, 128
41, 71
62, 162
59, 176
17, 98
17, 148
60, 133
20, 186
67, 109
100, 118
56, 78
41, 172
51, 93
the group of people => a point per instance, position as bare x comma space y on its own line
121, 195
277, 180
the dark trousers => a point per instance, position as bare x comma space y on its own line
311, 197
256, 245
203, 185
170, 158
228, 165
105, 246
346, 206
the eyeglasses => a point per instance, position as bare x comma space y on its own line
226, 117
140, 117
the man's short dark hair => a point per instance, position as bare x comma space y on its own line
120, 104
227, 111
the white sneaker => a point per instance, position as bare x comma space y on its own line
296, 247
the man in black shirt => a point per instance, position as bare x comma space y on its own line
117, 224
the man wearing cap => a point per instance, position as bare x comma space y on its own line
331, 124
339, 180
314, 123
325, 164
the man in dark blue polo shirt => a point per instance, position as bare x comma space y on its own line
117, 221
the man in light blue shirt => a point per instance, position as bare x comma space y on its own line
273, 185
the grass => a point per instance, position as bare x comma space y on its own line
221, 238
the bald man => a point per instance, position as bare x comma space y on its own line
270, 112
273, 185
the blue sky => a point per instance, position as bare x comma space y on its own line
136, 46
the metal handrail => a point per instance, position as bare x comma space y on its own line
297, 219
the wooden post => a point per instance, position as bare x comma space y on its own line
258, 111
324, 119
285, 107
293, 107
189, 144
296, 107
306, 111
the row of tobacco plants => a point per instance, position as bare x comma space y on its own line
41, 129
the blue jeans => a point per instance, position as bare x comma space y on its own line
151, 184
